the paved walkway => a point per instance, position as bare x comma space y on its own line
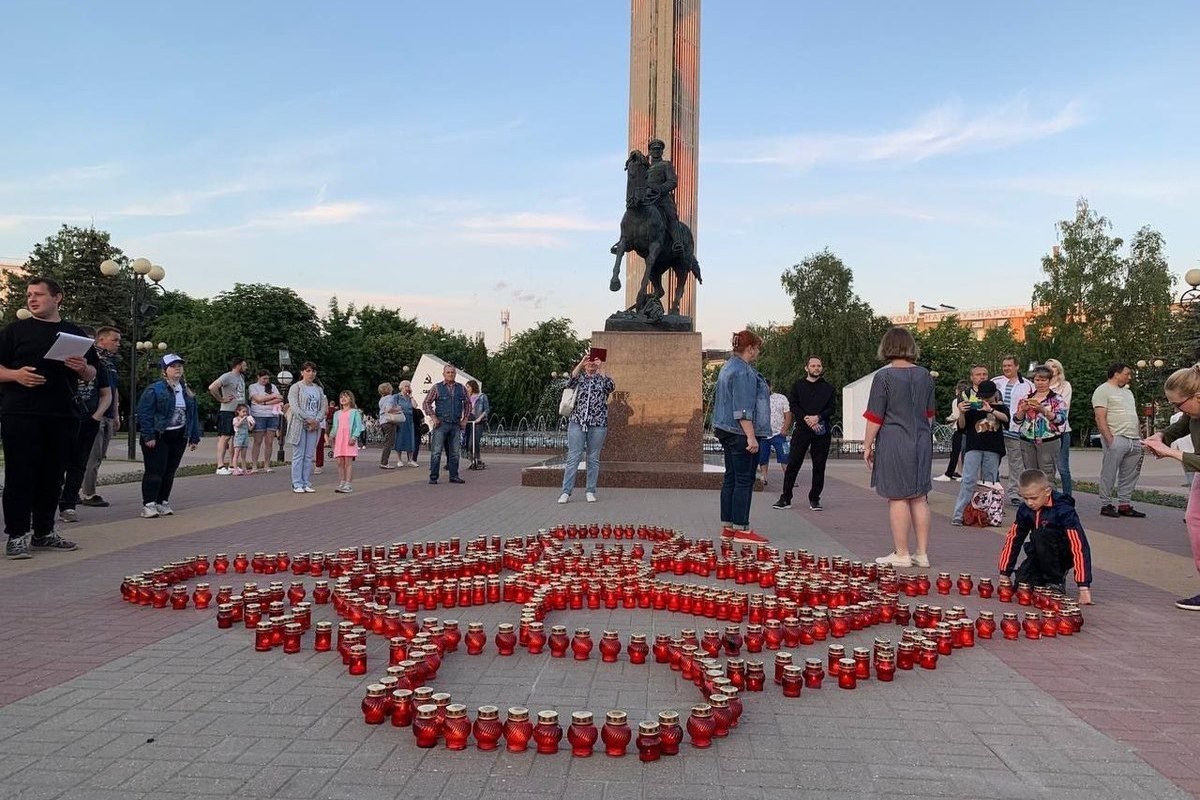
102, 699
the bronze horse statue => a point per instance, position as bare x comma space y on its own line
644, 231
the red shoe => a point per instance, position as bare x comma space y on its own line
743, 537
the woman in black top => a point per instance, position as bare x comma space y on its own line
982, 422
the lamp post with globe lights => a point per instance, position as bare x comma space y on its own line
147, 278
284, 378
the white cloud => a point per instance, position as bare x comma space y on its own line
535, 221
944, 130
324, 214
515, 238
180, 202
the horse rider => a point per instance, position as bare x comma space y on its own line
662, 177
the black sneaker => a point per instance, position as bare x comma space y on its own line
95, 501
433, 481
1187, 603
18, 547
1109, 511
1130, 511
815, 505
782, 504
457, 480
52, 541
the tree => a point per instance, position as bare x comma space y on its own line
1144, 317
521, 370
831, 321
72, 257
948, 349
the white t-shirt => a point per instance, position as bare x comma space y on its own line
179, 418
259, 409
779, 407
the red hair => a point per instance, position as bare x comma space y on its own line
744, 339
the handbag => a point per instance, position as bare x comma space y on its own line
393, 418
567, 403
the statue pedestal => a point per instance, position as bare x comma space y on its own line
655, 416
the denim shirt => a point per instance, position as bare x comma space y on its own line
742, 394
157, 406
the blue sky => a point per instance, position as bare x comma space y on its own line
457, 159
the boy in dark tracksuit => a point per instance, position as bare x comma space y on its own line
1056, 543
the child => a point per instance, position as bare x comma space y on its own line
1056, 539
344, 431
243, 425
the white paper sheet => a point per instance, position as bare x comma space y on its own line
67, 345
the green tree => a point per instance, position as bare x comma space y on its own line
831, 321
521, 370
948, 349
1143, 320
997, 343
72, 256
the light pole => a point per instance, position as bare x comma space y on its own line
284, 378
146, 280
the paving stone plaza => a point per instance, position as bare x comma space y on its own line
104, 699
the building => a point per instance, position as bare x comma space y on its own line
978, 320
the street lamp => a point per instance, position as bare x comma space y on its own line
147, 278
284, 379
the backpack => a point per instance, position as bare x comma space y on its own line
986, 508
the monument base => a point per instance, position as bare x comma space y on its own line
629, 475
630, 321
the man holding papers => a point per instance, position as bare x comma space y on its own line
39, 416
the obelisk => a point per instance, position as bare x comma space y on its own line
664, 99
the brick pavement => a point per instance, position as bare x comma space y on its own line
118, 701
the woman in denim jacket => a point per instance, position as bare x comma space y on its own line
741, 420
167, 423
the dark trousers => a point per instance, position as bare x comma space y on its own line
389, 441
77, 465
1047, 559
160, 463
36, 453
956, 448
803, 439
738, 486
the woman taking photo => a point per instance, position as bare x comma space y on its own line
587, 425
1062, 388
741, 421
307, 407
898, 446
480, 408
265, 402
1182, 389
167, 424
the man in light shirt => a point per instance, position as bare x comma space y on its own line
1013, 388
1121, 436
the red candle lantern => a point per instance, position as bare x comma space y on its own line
202, 596
581, 644
732, 640
772, 634
985, 588
425, 726
754, 639
547, 733
928, 656
225, 615
616, 734
506, 639
756, 676
374, 704
582, 734
662, 642
487, 728
179, 598
721, 714
906, 655
610, 646
944, 641
943, 583
885, 666
985, 625
862, 663
836, 653
814, 673
669, 731
846, 676
518, 730
1024, 594
475, 638
1009, 626
1049, 623
456, 728
637, 649
296, 593
358, 659
559, 642
402, 708
291, 637
792, 680
649, 741
783, 660
700, 725
262, 636
240, 563
1032, 624
535, 639
711, 643
451, 635
221, 563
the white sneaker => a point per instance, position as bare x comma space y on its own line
149, 511
224, 471
68, 515
298, 490
920, 560
318, 470
564, 498
943, 478
894, 560
591, 497
165, 510
308, 490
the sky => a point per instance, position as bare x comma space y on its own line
457, 159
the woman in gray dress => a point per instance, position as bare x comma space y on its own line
898, 447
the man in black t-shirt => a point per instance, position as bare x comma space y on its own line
810, 408
39, 418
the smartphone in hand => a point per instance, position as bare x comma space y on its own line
598, 354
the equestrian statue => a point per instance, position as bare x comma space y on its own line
652, 229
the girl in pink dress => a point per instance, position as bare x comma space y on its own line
347, 425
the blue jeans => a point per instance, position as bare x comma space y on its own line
978, 465
446, 436
303, 454
778, 443
579, 440
1064, 463
738, 487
